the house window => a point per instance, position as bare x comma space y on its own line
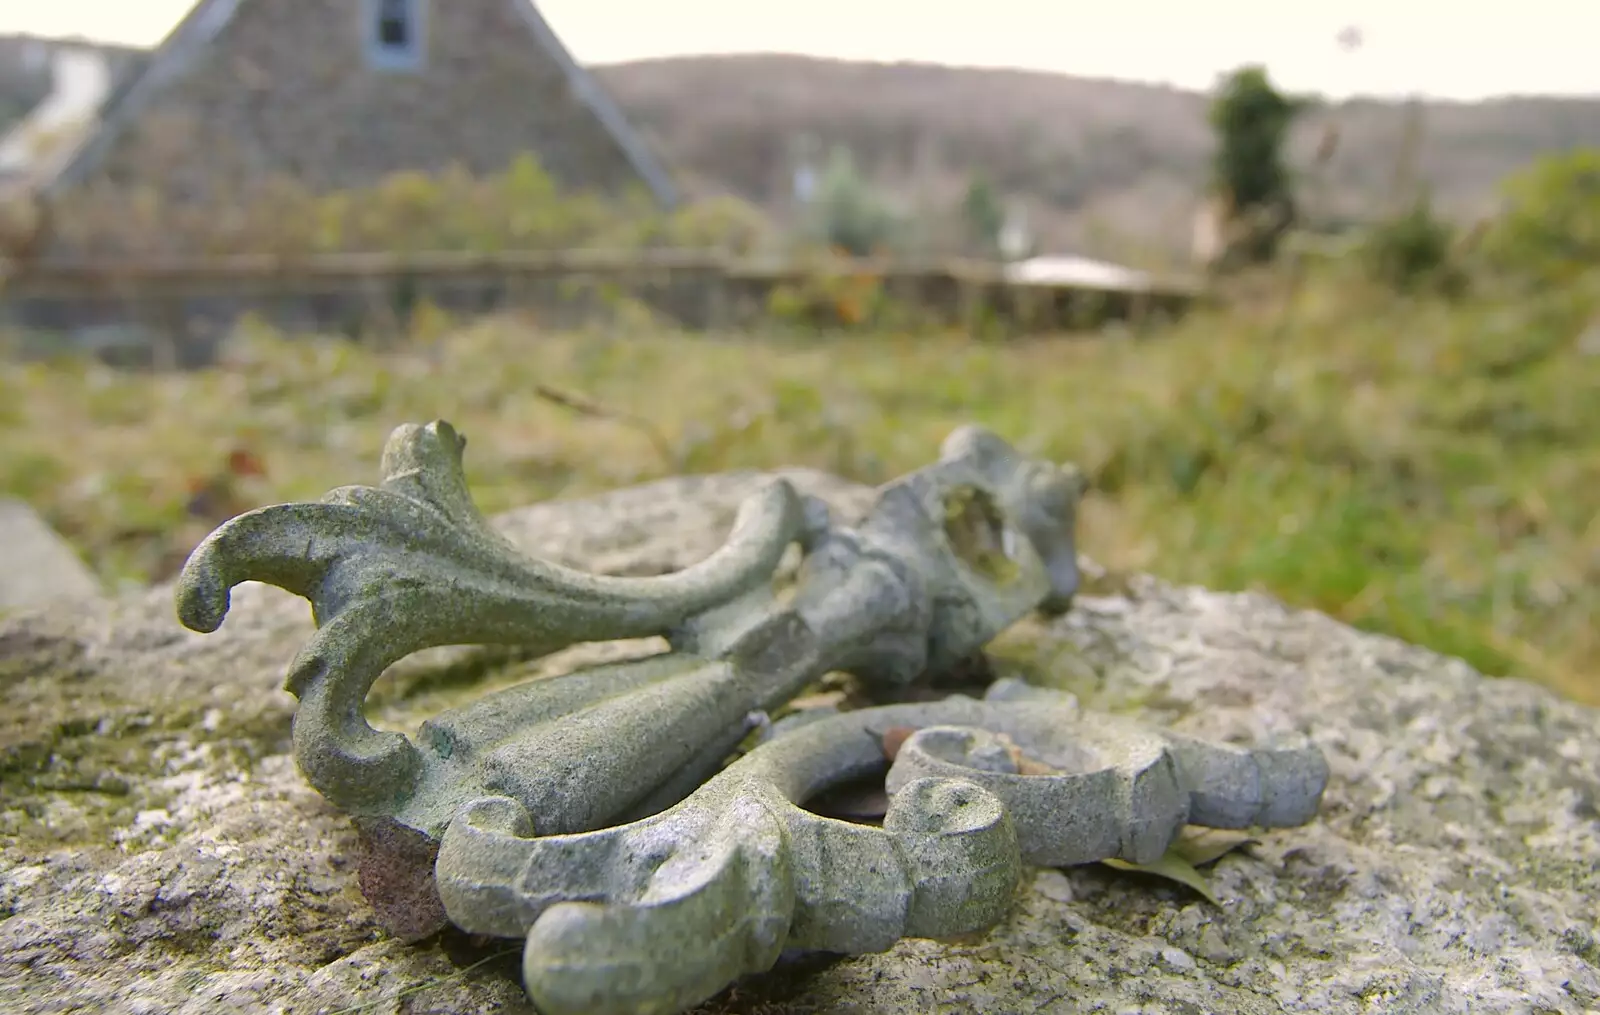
394, 34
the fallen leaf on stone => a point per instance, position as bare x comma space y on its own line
895, 738
1174, 868
822, 699
1184, 857
1201, 846
1025, 764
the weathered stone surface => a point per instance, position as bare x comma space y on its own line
161, 854
36, 565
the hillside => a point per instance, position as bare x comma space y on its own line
1074, 150
1095, 162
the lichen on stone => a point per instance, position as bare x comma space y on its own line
163, 855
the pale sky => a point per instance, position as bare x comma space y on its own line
1426, 47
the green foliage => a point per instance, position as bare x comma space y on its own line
984, 216
1251, 120
1034, 136
1549, 230
849, 214
725, 223
1419, 467
834, 297
521, 208
1182, 861
1413, 251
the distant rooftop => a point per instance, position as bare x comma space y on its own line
1066, 269
81, 78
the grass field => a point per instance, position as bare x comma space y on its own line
1413, 467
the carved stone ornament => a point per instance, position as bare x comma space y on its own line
597, 815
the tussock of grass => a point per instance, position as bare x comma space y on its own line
1418, 468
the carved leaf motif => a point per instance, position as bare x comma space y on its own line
410, 565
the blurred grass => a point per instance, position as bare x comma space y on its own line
1421, 468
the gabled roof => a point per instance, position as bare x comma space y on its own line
189, 40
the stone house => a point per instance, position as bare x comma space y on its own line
340, 93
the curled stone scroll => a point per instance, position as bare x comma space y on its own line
596, 815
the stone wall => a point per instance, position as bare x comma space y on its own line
180, 319
286, 89
131, 313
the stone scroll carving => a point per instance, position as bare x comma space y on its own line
597, 815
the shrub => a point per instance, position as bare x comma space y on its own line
830, 295
1251, 121
1413, 251
984, 216
521, 208
848, 214
1549, 230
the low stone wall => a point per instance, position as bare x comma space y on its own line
177, 313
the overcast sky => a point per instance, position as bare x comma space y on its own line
1426, 47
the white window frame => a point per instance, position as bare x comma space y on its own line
394, 58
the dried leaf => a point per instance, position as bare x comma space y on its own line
1025, 764
1201, 846
1172, 867
823, 699
894, 738
244, 462
1193, 849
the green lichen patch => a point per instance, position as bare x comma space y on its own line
27, 653
445, 675
116, 787
975, 528
1028, 650
82, 765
